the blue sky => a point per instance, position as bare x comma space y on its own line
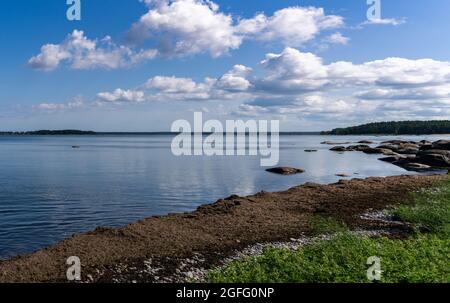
150, 73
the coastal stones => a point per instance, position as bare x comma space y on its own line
434, 152
378, 151
343, 175
416, 166
406, 148
436, 160
334, 143
338, 149
361, 147
392, 159
410, 155
441, 144
285, 171
310, 150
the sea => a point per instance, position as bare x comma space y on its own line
50, 190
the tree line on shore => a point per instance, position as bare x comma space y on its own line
395, 128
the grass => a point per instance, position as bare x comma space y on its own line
320, 225
431, 211
424, 257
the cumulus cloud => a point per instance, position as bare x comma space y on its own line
83, 53
293, 26
185, 27
302, 84
120, 95
337, 38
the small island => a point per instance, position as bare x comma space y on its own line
65, 132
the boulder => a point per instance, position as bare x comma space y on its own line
416, 166
285, 170
310, 150
434, 152
401, 148
425, 142
441, 144
435, 160
360, 147
378, 151
397, 142
334, 143
407, 151
343, 175
392, 159
339, 149
365, 142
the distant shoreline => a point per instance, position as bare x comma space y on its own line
92, 133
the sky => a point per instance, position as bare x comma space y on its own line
139, 65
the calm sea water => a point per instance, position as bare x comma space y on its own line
49, 191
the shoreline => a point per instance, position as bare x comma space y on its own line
154, 249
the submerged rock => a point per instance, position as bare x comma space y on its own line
285, 170
343, 175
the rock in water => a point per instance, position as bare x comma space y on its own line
378, 151
334, 143
435, 160
416, 167
441, 144
343, 175
285, 170
339, 149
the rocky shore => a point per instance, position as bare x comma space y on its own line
410, 155
182, 247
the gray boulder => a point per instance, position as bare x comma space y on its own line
441, 144
435, 160
339, 149
285, 170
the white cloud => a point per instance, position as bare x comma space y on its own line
293, 26
301, 84
185, 27
188, 27
83, 53
337, 38
120, 95
236, 79
382, 21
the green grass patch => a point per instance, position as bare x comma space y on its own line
344, 260
424, 257
431, 211
320, 225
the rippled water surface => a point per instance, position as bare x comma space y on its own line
49, 191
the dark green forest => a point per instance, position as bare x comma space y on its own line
395, 128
